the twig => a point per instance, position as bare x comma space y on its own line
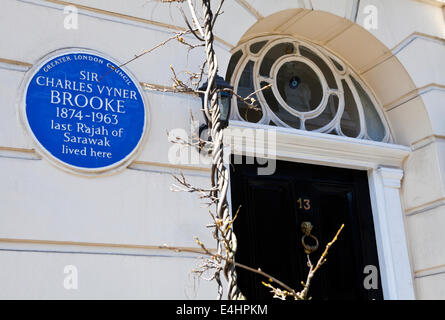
195, 19
321, 261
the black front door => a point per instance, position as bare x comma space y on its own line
268, 229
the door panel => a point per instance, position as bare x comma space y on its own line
268, 228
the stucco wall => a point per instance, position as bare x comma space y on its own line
117, 220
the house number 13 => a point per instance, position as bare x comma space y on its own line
304, 204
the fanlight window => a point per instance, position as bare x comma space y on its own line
311, 90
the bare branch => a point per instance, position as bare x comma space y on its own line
302, 295
189, 26
195, 19
218, 13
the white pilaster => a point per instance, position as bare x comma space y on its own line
396, 275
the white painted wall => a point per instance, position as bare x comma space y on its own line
36, 274
123, 216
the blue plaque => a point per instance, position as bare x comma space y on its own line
84, 111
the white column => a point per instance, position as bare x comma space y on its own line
396, 275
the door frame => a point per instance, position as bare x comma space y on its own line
383, 163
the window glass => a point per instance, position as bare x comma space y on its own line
374, 126
273, 54
232, 64
337, 65
321, 64
281, 113
245, 89
326, 117
256, 47
299, 86
350, 122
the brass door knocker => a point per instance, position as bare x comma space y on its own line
306, 227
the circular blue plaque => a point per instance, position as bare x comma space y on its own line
84, 111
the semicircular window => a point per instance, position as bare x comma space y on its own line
300, 85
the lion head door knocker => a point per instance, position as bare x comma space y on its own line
306, 227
